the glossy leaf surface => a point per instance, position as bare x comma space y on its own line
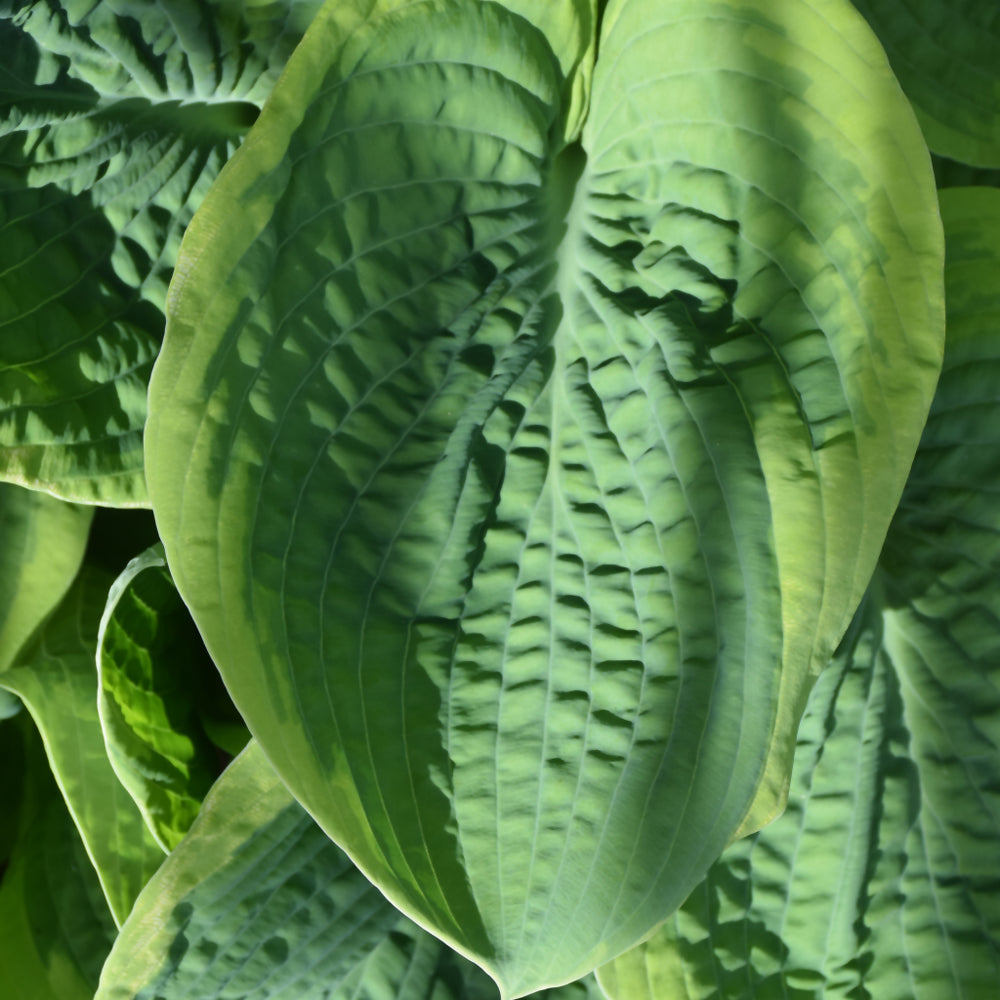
115, 118
521, 490
881, 878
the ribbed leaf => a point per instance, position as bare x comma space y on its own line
12, 784
945, 55
55, 927
56, 677
258, 904
151, 665
520, 490
114, 120
42, 541
882, 879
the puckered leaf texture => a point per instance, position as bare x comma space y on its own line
258, 904
115, 117
56, 677
882, 879
521, 484
42, 542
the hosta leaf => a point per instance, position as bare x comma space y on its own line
42, 541
883, 877
114, 120
56, 678
258, 904
520, 490
945, 55
55, 927
151, 665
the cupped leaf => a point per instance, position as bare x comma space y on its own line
114, 120
56, 678
945, 55
151, 669
258, 904
55, 926
12, 783
520, 490
42, 541
881, 880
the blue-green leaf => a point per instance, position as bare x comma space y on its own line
521, 489
881, 879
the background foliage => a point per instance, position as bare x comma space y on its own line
543, 423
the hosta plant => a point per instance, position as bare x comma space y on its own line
568, 430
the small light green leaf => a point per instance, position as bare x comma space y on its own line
55, 927
257, 903
945, 55
56, 678
150, 667
114, 122
881, 878
42, 541
520, 490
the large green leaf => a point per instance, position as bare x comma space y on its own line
882, 878
56, 678
55, 927
151, 668
42, 541
258, 904
521, 490
945, 55
114, 120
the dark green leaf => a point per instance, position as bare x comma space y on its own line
520, 490
114, 120
882, 879
150, 667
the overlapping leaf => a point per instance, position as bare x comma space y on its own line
520, 490
882, 878
55, 926
945, 55
259, 904
56, 678
42, 541
151, 679
114, 120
